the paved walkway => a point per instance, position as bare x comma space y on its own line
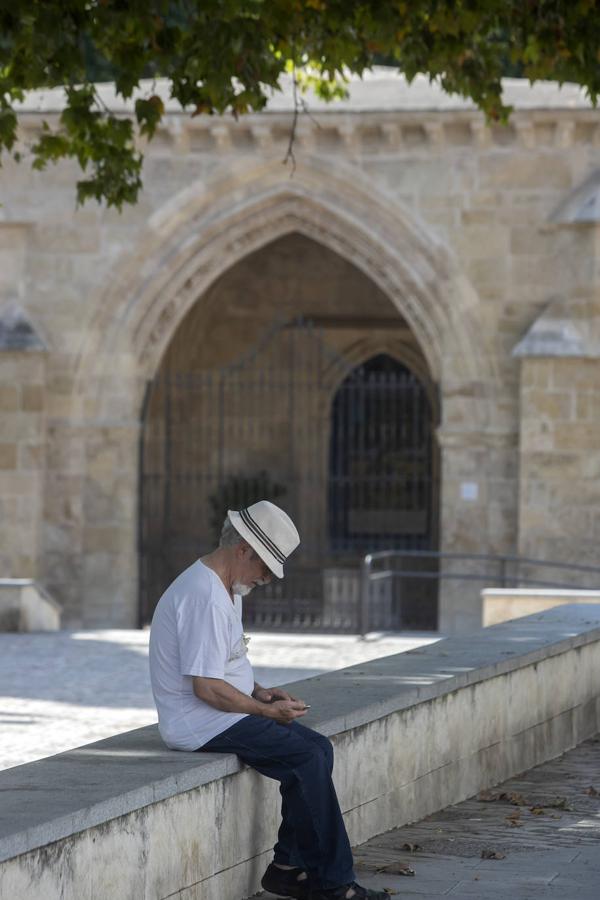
61, 690
544, 826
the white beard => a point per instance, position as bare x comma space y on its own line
242, 589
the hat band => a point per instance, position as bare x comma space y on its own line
262, 537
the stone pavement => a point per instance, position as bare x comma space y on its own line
544, 824
64, 689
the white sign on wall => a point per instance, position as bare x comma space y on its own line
469, 490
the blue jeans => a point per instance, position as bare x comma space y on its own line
312, 835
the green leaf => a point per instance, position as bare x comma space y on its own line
223, 56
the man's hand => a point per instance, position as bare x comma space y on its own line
284, 711
225, 697
280, 694
267, 695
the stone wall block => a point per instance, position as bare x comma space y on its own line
529, 241
577, 374
577, 435
31, 457
554, 464
552, 405
57, 237
61, 573
537, 373
537, 436
111, 450
17, 426
476, 241
516, 170
109, 583
8, 455
9, 398
537, 270
490, 271
9, 509
32, 397
65, 449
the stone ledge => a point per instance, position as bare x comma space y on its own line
47, 801
381, 88
26, 606
507, 604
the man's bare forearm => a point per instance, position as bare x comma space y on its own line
226, 698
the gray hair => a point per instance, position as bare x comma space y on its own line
229, 536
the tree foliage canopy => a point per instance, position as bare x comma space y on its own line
228, 56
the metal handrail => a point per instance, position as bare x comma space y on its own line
507, 580
380, 554
367, 575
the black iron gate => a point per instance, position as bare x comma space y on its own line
349, 453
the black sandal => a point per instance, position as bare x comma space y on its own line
339, 893
286, 882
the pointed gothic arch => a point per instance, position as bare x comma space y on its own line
204, 231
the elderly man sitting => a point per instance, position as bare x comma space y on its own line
207, 700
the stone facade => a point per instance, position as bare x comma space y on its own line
481, 239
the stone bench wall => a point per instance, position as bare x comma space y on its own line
413, 733
504, 604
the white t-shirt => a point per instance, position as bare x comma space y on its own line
196, 630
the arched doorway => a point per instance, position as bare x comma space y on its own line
382, 469
384, 482
170, 271
241, 410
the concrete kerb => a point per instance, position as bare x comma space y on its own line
64, 799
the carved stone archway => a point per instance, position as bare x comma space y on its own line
202, 232
187, 245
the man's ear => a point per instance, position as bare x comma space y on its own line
243, 549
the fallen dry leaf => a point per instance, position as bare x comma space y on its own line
396, 869
592, 792
537, 811
558, 803
555, 816
487, 797
411, 848
492, 854
390, 891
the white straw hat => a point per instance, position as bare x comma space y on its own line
269, 530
